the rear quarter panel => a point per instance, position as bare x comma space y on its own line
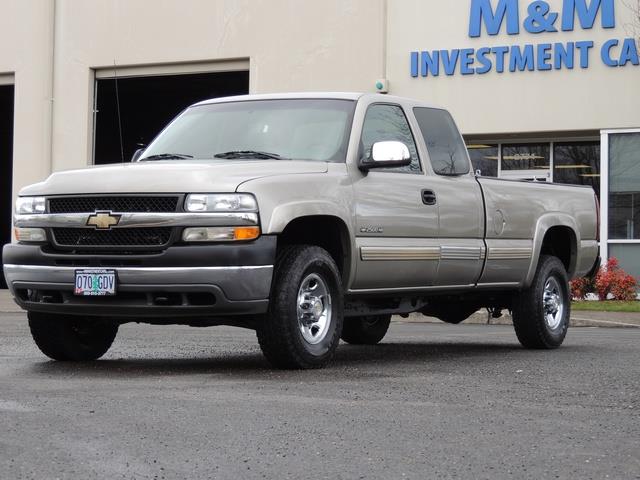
518, 216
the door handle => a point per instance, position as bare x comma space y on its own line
428, 197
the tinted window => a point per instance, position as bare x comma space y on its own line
445, 146
577, 163
388, 123
624, 186
526, 156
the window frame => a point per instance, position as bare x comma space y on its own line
411, 131
470, 170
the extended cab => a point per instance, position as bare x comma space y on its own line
307, 217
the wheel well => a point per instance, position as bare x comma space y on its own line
325, 231
561, 242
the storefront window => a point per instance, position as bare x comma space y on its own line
577, 163
624, 186
484, 158
526, 156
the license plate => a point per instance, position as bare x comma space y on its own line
95, 283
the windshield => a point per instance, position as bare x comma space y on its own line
316, 129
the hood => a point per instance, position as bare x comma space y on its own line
183, 176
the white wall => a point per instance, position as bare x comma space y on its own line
556, 100
291, 45
25, 53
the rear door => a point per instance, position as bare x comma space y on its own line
458, 196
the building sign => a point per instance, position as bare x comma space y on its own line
494, 17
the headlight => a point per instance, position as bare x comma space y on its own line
220, 202
30, 205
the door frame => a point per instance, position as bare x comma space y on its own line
8, 79
604, 193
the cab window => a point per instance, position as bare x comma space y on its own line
384, 122
447, 151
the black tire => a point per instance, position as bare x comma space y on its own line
535, 324
280, 332
366, 330
69, 338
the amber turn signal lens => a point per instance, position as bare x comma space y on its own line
246, 233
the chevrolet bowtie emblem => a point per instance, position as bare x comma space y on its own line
103, 220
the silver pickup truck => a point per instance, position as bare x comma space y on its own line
306, 217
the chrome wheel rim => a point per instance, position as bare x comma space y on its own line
314, 309
553, 303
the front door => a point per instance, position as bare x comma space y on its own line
396, 224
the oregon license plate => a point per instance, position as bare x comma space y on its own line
95, 282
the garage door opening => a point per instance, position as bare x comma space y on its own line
147, 104
6, 166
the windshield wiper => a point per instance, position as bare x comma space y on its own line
167, 156
248, 154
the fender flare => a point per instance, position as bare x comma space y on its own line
283, 214
544, 223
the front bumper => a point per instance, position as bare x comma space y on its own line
182, 281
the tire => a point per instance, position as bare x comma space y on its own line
303, 325
69, 338
541, 313
366, 330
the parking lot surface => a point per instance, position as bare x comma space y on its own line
432, 401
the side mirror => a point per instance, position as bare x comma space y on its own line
137, 154
387, 154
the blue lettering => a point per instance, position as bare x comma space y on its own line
584, 48
500, 53
629, 52
466, 60
481, 11
562, 54
605, 53
521, 59
483, 60
587, 14
539, 19
414, 64
544, 56
430, 63
449, 60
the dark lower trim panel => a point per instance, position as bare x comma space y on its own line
138, 302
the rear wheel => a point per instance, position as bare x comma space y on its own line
541, 312
302, 328
65, 338
366, 330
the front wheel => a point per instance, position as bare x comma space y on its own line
65, 338
303, 325
541, 312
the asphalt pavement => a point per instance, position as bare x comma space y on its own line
433, 401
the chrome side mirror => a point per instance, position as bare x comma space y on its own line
387, 154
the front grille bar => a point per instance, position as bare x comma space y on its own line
140, 220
